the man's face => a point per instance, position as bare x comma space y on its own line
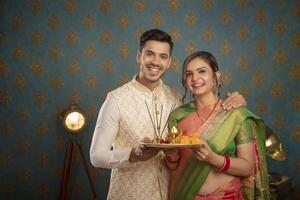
154, 60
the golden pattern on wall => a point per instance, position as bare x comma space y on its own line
244, 90
175, 33
5, 97
261, 107
72, 37
242, 3
91, 81
58, 143
243, 62
124, 79
53, 21
73, 67
173, 5
190, 18
277, 90
39, 98
139, 5
19, 51
89, 21
190, 47
225, 47
124, 51
41, 129
56, 82
6, 128
42, 159
260, 15
42, 189
90, 51
296, 134
294, 72
279, 27
34, 6
138, 33
156, 19
175, 64
242, 32
260, 46
296, 40
296, 103
36, 37
36, 67
2, 37
296, 9
17, 21
107, 67
106, 36
207, 4
24, 175
92, 111
22, 113
55, 52
123, 21
20, 82
7, 158
105, 6
280, 56
75, 97
225, 17
24, 145
3, 67
70, 6
258, 78
278, 121
226, 77
208, 33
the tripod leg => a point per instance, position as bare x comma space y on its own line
87, 170
64, 185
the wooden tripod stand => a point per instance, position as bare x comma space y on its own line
64, 185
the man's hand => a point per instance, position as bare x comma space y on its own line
142, 153
233, 100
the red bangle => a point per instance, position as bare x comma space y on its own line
226, 164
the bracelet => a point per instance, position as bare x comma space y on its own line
173, 161
226, 164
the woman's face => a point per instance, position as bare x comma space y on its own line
199, 77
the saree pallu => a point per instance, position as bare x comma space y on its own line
220, 131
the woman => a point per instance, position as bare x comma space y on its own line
231, 164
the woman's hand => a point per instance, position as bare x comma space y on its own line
204, 153
233, 100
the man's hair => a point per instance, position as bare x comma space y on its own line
157, 35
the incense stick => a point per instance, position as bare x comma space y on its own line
151, 118
172, 109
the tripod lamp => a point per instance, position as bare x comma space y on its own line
73, 120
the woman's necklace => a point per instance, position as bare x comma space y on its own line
208, 116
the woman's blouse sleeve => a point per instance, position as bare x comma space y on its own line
246, 132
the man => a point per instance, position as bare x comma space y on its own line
124, 119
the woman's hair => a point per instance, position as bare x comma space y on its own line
206, 57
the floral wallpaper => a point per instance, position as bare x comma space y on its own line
56, 53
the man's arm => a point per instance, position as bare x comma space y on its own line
105, 133
234, 100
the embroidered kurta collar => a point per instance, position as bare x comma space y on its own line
143, 88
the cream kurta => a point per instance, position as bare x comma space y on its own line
139, 180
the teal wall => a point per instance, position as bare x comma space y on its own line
54, 53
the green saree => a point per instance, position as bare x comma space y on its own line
220, 131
